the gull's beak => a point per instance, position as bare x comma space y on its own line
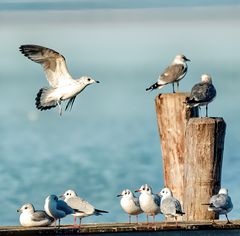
187, 59
97, 81
137, 191
19, 210
62, 197
119, 195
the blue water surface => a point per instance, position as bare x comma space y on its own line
109, 141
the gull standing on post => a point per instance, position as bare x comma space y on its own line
130, 204
172, 74
220, 203
170, 206
149, 202
57, 208
29, 217
63, 86
202, 93
83, 208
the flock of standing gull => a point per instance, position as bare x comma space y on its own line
64, 87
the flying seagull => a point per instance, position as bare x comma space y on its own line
83, 207
202, 93
220, 203
29, 217
172, 74
63, 86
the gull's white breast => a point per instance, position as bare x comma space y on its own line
130, 206
68, 91
25, 219
147, 204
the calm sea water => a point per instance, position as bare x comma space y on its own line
109, 141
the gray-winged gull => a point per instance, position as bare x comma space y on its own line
83, 208
130, 204
149, 202
63, 86
170, 206
57, 208
172, 74
29, 217
202, 93
220, 203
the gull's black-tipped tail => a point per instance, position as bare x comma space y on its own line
190, 102
42, 102
187, 101
155, 86
152, 87
180, 213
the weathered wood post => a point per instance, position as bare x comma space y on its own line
172, 117
204, 145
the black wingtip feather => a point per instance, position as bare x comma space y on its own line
101, 211
30, 49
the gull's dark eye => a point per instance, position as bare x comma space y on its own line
67, 193
143, 188
128, 192
25, 208
163, 191
147, 189
89, 79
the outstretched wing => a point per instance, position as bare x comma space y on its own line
54, 64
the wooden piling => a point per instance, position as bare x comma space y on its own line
203, 164
121, 229
172, 118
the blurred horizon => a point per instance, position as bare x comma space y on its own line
15, 5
